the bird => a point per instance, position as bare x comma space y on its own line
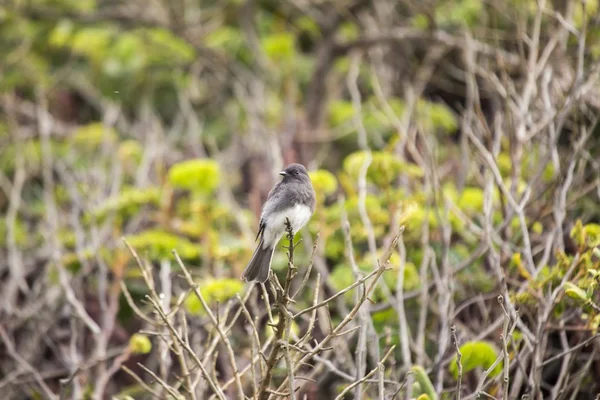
292, 198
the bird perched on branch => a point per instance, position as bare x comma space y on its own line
292, 198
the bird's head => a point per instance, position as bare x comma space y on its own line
294, 172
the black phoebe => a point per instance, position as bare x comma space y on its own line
292, 198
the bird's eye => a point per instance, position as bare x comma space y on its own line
296, 172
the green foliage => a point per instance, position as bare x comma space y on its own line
422, 385
140, 344
471, 199
157, 244
20, 232
462, 12
127, 203
584, 12
91, 42
432, 117
348, 31
279, 47
415, 216
324, 183
436, 116
213, 290
31, 151
343, 276
340, 112
420, 21
198, 176
94, 135
202, 85
308, 25
575, 292
227, 39
82, 6
586, 235
130, 151
383, 168
164, 47
477, 278
60, 35
478, 354
117, 53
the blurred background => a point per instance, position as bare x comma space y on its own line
472, 124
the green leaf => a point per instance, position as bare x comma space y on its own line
411, 273
127, 202
594, 324
213, 290
592, 235
164, 46
436, 116
61, 34
425, 387
20, 232
416, 215
308, 25
279, 47
140, 344
158, 244
79, 6
199, 176
130, 151
383, 169
579, 15
340, 112
420, 21
478, 354
586, 235
460, 12
93, 42
225, 38
324, 182
575, 292
126, 55
348, 31
471, 199
94, 134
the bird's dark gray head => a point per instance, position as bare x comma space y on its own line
294, 172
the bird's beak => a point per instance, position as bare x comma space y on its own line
283, 173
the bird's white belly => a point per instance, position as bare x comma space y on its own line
298, 216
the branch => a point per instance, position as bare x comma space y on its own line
285, 320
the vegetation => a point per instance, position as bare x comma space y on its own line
453, 146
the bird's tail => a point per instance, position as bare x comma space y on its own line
259, 265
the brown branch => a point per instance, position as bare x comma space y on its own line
285, 319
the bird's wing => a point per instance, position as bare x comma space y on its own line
272, 200
268, 207
261, 229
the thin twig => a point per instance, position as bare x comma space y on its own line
222, 335
367, 376
458, 363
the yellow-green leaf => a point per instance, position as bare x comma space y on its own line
140, 344
213, 290
477, 354
575, 292
158, 244
323, 181
279, 47
425, 387
200, 175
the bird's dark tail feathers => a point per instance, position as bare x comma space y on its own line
259, 265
